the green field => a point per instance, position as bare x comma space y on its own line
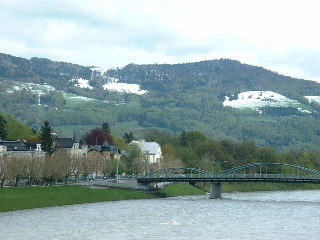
180, 189
36, 197
12, 198
68, 130
251, 187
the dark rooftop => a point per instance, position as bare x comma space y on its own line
64, 142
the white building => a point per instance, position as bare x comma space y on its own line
20, 149
150, 150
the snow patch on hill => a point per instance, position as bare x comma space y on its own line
259, 99
313, 98
82, 83
32, 87
124, 87
101, 70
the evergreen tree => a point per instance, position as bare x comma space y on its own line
128, 137
106, 127
46, 138
3, 128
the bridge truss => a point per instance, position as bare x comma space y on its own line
252, 172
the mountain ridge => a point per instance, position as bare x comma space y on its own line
177, 97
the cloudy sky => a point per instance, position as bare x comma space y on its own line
282, 35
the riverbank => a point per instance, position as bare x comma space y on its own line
181, 189
252, 187
18, 198
12, 198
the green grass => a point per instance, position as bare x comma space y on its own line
180, 189
68, 130
12, 198
251, 187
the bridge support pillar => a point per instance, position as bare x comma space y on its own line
215, 190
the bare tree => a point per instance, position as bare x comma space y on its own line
33, 168
17, 168
52, 168
170, 160
76, 166
96, 163
86, 167
3, 170
108, 165
64, 160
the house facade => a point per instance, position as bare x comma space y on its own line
105, 151
71, 147
151, 151
18, 148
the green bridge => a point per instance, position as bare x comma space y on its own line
252, 172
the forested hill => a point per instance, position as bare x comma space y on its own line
224, 75
224, 99
41, 70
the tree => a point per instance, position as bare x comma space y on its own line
87, 167
128, 137
33, 169
106, 127
3, 128
17, 168
46, 138
3, 170
52, 168
108, 165
135, 162
98, 136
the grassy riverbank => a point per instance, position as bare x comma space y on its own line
180, 189
251, 187
12, 198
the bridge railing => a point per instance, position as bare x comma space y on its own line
219, 176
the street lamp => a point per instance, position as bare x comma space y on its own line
117, 171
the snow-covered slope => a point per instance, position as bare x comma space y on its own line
124, 87
313, 98
32, 87
259, 99
82, 83
101, 70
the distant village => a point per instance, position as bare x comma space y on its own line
75, 159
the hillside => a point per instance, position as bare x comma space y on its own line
40, 70
224, 76
223, 98
16, 130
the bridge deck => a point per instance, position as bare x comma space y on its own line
278, 178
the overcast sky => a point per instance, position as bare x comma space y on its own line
281, 35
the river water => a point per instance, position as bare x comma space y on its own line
255, 215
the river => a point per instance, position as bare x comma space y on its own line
256, 215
